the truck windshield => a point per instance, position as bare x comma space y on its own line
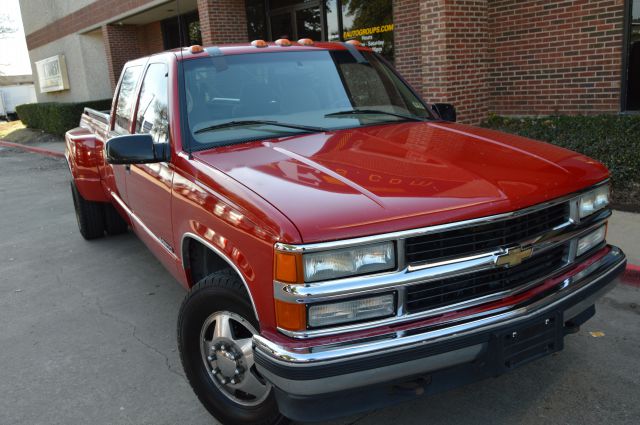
287, 93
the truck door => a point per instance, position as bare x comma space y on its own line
149, 185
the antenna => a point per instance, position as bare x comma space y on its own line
184, 82
180, 29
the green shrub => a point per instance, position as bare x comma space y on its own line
613, 140
55, 117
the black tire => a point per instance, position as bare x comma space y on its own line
114, 224
220, 291
89, 215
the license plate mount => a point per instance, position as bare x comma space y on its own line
523, 344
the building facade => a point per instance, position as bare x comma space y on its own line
508, 57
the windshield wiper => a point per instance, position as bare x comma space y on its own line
373, 112
242, 123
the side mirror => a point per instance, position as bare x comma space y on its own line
446, 111
135, 149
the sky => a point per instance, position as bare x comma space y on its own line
14, 57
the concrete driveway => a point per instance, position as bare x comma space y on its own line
88, 332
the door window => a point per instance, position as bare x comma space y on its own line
126, 101
153, 109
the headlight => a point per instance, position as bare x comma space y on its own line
352, 311
593, 201
591, 240
345, 262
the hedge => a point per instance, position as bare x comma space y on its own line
56, 117
611, 139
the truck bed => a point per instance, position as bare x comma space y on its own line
96, 122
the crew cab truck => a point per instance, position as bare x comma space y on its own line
344, 244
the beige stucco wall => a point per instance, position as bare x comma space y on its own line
84, 53
86, 66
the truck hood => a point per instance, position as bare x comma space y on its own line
384, 178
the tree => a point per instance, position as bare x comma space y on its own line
7, 25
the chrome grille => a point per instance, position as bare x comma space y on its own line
430, 295
458, 243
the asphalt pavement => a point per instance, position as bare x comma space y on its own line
87, 332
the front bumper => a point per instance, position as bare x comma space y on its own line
433, 358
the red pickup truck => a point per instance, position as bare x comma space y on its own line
344, 244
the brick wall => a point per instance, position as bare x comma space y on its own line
408, 49
150, 38
223, 21
121, 45
552, 57
442, 49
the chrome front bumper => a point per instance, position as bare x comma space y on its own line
324, 369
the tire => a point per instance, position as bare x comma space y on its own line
89, 215
222, 298
114, 224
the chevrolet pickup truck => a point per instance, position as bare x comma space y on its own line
345, 245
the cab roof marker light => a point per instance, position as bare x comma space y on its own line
196, 48
306, 42
354, 42
283, 42
259, 43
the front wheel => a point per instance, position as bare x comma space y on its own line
215, 329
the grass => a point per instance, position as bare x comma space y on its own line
7, 128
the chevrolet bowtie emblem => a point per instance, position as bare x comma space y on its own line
514, 256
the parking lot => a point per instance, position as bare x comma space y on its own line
88, 332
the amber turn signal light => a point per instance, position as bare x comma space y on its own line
291, 317
288, 267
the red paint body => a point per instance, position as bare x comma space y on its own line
318, 187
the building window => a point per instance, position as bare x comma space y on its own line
256, 19
370, 22
633, 58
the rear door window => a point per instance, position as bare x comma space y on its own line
126, 101
153, 110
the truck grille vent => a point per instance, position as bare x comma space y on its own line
484, 237
430, 295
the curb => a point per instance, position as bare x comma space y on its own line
41, 151
631, 275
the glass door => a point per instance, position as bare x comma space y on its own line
282, 26
633, 58
301, 19
309, 23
